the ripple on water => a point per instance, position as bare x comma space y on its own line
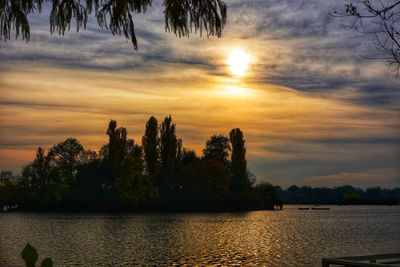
285, 238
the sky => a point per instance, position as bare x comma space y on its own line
312, 109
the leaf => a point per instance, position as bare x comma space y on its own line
30, 255
47, 262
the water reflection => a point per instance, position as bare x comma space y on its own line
290, 237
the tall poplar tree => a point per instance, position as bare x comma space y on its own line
168, 151
117, 148
150, 143
240, 180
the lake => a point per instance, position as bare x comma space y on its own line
290, 237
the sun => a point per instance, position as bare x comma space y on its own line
238, 62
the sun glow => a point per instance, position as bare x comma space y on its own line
238, 62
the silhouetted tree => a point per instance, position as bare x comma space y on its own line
41, 182
341, 195
189, 156
181, 17
66, 157
179, 153
103, 153
205, 184
150, 143
217, 148
88, 156
117, 148
134, 188
112, 136
351, 198
240, 180
91, 189
9, 190
168, 152
268, 196
36, 174
6, 176
72, 178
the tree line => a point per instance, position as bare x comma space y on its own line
341, 195
158, 174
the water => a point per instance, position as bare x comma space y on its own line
264, 238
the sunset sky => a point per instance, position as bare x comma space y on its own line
312, 110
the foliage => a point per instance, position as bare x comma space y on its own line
150, 143
135, 188
6, 176
217, 148
36, 174
9, 190
117, 147
269, 195
168, 153
341, 195
91, 189
30, 256
69, 177
181, 16
159, 174
206, 184
240, 179
119, 178
66, 157
188, 157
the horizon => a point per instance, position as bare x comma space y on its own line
313, 112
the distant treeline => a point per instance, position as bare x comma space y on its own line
159, 174
342, 195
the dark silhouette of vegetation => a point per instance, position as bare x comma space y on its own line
151, 145
124, 176
168, 155
9, 189
205, 185
240, 177
181, 17
217, 148
380, 19
118, 146
30, 256
159, 175
342, 195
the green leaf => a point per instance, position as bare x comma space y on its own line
47, 262
30, 255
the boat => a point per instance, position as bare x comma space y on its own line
316, 208
304, 208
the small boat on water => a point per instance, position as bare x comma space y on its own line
317, 208
304, 208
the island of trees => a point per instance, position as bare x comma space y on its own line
159, 174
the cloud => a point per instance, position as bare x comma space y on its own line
312, 110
